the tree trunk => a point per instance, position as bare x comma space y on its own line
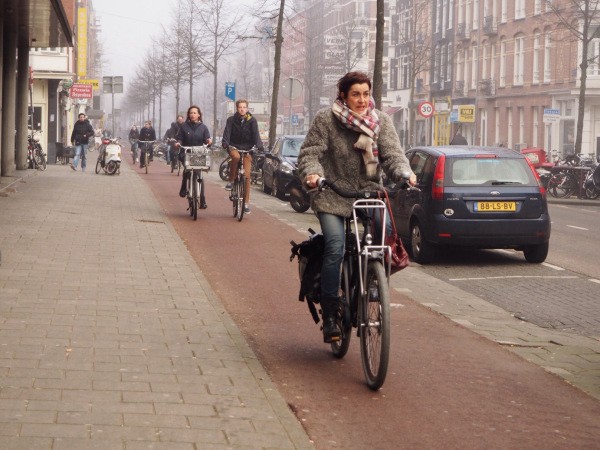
276, 75
215, 73
378, 68
583, 79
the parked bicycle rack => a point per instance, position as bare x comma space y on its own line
580, 174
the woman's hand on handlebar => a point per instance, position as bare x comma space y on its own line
312, 180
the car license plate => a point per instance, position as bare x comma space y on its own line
495, 206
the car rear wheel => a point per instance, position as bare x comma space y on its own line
422, 250
536, 253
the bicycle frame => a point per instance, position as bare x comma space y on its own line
369, 251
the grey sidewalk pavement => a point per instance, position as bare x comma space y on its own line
110, 336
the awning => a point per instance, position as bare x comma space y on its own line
393, 110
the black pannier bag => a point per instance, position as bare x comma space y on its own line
310, 261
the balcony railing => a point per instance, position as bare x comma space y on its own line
462, 33
459, 88
490, 28
487, 87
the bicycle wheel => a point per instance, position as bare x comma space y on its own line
340, 348
98, 166
224, 169
40, 159
241, 201
561, 185
194, 205
375, 326
233, 196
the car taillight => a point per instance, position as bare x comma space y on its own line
537, 177
437, 189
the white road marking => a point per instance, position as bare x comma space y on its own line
552, 266
512, 276
396, 305
577, 228
593, 280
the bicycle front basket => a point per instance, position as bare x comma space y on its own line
197, 158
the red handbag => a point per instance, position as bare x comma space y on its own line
399, 254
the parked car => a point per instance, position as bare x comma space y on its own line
279, 165
482, 197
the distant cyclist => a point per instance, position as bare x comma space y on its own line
192, 132
241, 132
147, 133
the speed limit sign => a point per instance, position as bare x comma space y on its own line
426, 109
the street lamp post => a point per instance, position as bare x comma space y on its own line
112, 85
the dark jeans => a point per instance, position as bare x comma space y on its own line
332, 227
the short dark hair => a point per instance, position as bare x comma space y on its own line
345, 83
81, 114
241, 100
199, 111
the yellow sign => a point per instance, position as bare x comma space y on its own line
466, 113
82, 50
95, 83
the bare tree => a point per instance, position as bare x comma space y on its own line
581, 18
414, 40
221, 30
276, 75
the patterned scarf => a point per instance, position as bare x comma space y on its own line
368, 127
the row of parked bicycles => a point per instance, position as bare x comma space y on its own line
577, 175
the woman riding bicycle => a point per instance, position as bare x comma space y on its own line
351, 142
191, 133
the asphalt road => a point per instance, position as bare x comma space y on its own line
446, 386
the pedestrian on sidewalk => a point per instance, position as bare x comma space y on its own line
82, 132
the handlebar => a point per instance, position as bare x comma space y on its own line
324, 183
241, 152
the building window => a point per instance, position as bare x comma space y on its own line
475, 14
474, 68
521, 125
510, 127
594, 54
497, 126
519, 9
484, 56
536, 59
519, 60
502, 63
536, 126
547, 56
503, 11
537, 7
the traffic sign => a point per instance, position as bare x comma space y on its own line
426, 109
551, 115
294, 119
230, 90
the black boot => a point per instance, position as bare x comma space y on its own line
183, 190
331, 328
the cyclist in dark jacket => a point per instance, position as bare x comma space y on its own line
171, 133
147, 133
82, 132
134, 136
191, 133
241, 131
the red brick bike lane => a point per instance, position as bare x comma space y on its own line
446, 386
